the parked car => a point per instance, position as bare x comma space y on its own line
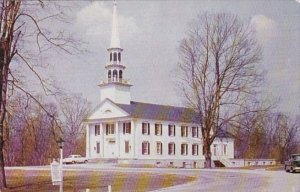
293, 164
75, 159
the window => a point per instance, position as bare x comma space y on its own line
115, 75
184, 131
159, 148
145, 148
109, 75
110, 56
184, 149
97, 130
171, 130
195, 132
145, 128
98, 147
158, 129
127, 146
195, 149
120, 74
119, 56
224, 149
110, 129
171, 148
127, 128
115, 56
215, 149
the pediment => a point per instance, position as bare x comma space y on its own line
107, 109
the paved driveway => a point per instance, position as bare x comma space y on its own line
240, 180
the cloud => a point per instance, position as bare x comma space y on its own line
266, 28
94, 22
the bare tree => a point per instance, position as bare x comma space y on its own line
283, 133
23, 39
29, 141
218, 72
74, 109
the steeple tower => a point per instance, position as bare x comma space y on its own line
115, 87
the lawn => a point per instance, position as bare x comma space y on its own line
24, 180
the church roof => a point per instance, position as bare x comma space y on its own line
159, 112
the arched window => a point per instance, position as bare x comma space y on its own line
119, 57
115, 56
110, 56
115, 75
109, 74
120, 75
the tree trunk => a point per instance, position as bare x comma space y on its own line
2, 113
2, 170
207, 155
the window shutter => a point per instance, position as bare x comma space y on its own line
187, 149
124, 125
143, 127
129, 127
106, 129
161, 130
174, 148
174, 130
148, 128
95, 131
181, 149
148, 148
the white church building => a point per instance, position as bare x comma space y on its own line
144, 133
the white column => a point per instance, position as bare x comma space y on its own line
102, 132
88, 145
117, 140
133, 131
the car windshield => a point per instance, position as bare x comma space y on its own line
296, 157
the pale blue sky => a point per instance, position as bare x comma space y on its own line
150, 32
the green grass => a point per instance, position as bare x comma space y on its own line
21, 180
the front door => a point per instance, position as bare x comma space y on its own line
110, 149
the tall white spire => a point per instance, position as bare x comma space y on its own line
115, 40
115, 87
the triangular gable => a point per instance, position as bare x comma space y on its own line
107, 109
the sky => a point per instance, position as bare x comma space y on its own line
150, 32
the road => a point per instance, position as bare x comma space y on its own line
230, 180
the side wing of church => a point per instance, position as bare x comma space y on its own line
136, 132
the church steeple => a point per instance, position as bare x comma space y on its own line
115, 40
115, 87
115, 68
